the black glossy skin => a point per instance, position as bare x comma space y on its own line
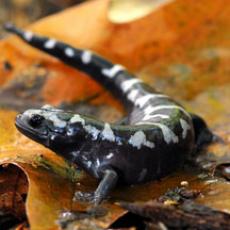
153, 142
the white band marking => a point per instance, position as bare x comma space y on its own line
50, 44
150, 109
168, 134
149, 117
133, 94
126, 85
86, 57
138, 139
69, 52
89, 164
57, 122
113, 71
77, 118
107, 133
143, 100
28, 35
109, 156
185, 126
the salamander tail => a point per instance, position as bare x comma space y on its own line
113, 77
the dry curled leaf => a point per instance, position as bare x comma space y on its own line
124, 11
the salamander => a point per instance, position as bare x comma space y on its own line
156, 137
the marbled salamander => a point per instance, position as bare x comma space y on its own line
156, 138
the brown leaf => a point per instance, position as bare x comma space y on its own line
13, 191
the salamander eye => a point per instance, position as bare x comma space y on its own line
36, 120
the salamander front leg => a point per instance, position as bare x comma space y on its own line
107, 183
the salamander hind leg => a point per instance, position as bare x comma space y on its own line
108, 182
203, 134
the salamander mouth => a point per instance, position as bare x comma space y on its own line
38, 134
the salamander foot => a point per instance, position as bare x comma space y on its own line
67, 217
107, 183
85, 197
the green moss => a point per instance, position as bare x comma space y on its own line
65, 170
174, 117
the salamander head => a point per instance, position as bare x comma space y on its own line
52, 128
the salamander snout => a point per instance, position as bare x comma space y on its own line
32, 125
